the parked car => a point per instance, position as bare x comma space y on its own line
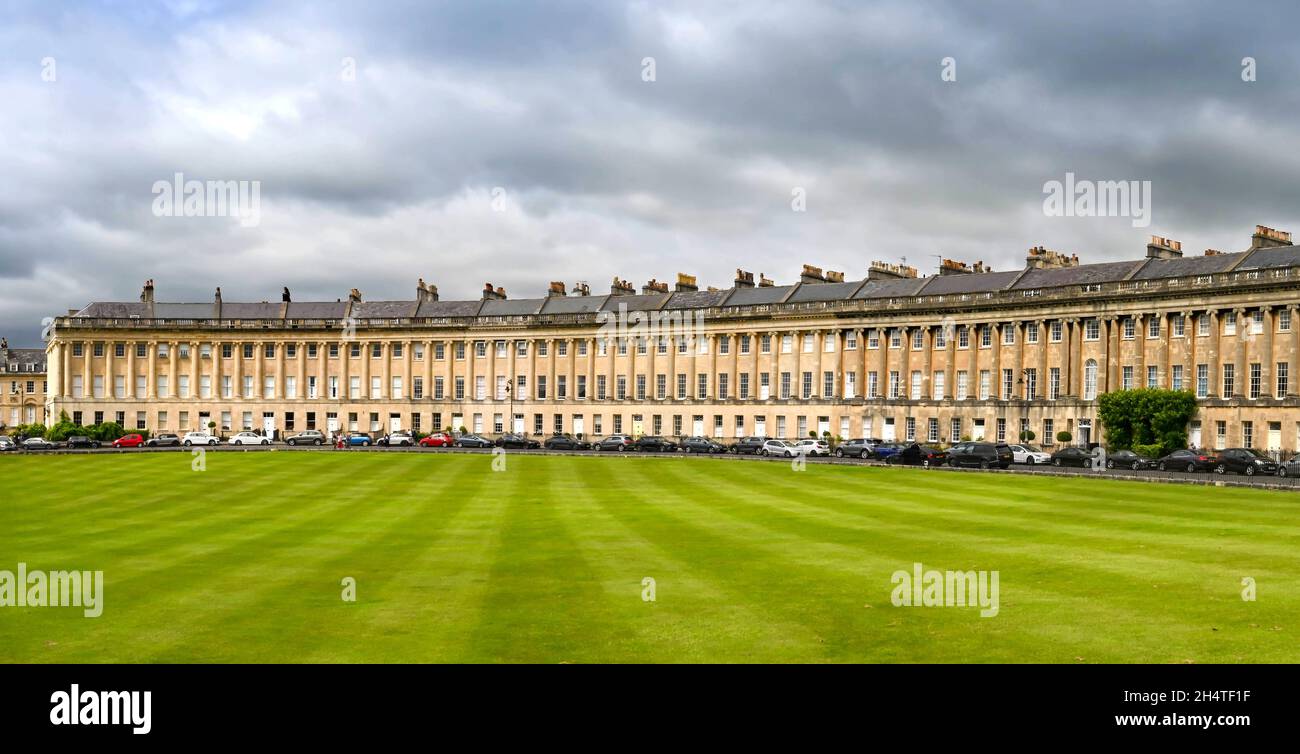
249, 438
748, 445
80, 441
779, 448
814, 447
437, 440
1246, 461
399, 439
882, 451
985, 455
164, 440
39, 443
565, 442
129, 441
517, 442
653, 444
613, 442
7, 443
856, 448
918, 455
198, 438
1029, 455
1127, 459
1289, 467
703, 445
1072, 456
307, 437
471, 441
1186, 460
360, 439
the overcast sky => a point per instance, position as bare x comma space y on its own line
520, 143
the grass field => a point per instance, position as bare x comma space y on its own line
543, 562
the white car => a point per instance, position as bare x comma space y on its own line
779, 448
249, 438
1029, 454
814, 447
198, 438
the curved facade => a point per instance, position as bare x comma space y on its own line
964, 353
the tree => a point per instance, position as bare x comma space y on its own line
1027, 436
1064, 436
1146, 417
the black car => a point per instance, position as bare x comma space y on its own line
1246, 461
613, 442
1127, 459
80, 441
918, 455
703, 445
748, 445
985, 455
857, 448
654, 445
517, 442
566, 442
1073, 457
471, 441
1186, 460
163, 440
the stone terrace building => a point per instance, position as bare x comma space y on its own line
23, 383
967, 352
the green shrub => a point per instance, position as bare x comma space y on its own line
1064, 436
1146, 416
1153, 450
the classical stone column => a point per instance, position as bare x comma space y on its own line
1215, 377
1267, 386
130, 371
171, 369
1239, 372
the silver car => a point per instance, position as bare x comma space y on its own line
1290, 466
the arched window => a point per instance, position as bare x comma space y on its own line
1090, 380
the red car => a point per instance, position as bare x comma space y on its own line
436, 440
129, 441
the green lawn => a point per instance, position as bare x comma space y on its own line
544, 562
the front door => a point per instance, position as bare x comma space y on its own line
889, 433
1194, 435
1085, 432
1274, 435
697, 426
268, 424
519, 424
978, 434
578, 425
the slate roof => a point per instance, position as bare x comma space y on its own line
858, 290
24, 358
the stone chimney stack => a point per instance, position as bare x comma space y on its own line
581, 289
146, 297
354, 296
686, 282
493, 294
557, 289
887, 271
1164, 248
653, 287
834, 276
1042, 258
954, 267
1265, 237
744, 279
811, 274
621, 288
216, 304
765, 282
